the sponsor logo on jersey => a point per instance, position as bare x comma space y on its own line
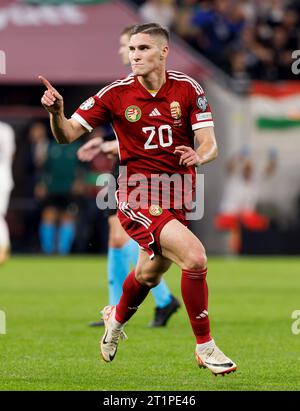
155, 210
87, 104
202, 103
133, 113
154, 112
175, 110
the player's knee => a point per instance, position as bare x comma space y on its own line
117, 240
49, 215
148, 279
67, 218
195, 261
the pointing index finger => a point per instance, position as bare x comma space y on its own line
46, 83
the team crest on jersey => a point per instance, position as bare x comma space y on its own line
155, 210
175, 110
202, 103
133, 113
87, 104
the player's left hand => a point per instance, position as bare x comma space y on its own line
188, 156
110, 148
90, 150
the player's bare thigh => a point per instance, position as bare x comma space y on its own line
181, 246
117, 235
149, 272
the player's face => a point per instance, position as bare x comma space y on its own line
123, 49
146, 53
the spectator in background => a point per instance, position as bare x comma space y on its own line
217, 27
255, 54
161, 11
239, 203
91, 221
248, 39
60, 184
7, 149
34, 157
239, 73
36, 154
182, 26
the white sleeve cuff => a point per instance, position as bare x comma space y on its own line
203, 124
82, 121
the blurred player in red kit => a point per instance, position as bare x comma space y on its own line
156, 114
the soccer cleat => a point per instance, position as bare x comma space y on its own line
110, 340
162, 315
215, 360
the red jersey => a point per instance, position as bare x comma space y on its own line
148, 128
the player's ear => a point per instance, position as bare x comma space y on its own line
164, 51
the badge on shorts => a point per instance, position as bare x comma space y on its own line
175, 110
133, 113
155, 210
202, 103
87, 104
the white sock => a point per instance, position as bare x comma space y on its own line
204, 346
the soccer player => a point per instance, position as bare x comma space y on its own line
122, 250
156, 115
7, 149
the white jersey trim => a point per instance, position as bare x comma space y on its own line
115, 133
176, 75
141, 219
128, 80
128, 212
82, 121
180, 74
203, 124
187, 81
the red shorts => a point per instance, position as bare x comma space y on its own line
145, 225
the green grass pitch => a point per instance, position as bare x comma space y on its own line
48, 303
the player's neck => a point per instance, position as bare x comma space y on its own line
153, 81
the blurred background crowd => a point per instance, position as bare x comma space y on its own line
249, 39
249, 43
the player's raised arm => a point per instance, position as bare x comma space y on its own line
64, 130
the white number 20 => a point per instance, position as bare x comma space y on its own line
161, 136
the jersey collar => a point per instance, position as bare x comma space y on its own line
161, 92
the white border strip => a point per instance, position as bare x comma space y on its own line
204, 124
82, 121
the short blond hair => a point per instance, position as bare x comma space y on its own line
153, 29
